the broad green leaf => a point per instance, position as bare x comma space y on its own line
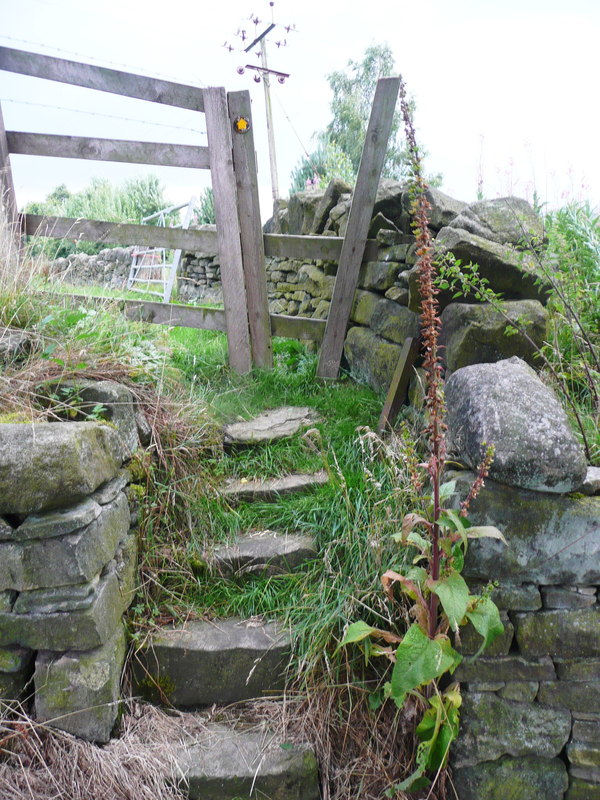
419, 660
360, 630
485, 618
416, 540
355, 633
485, 532
447, 490
452, 519
454, 597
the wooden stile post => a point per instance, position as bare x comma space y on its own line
7, 188
253, 251
220, 146
359, 219
397, 392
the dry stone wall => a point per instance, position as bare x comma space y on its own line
68, 566
531, 706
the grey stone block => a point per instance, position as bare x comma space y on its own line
64, 560
520, 691
79, 692
492, 727
15, 659
272, 488
513, 779
509, 596
77, 630
506, 668
563, 597
49, 465
574, 695
241, 764
582, 790
13, 685
470, 640
579, 670
58, 522
584, 754
536, 526
561, 633
264, 552
277, 423
586, 730
213, 662
110, 491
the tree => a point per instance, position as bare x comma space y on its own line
205, 208
327, 161
130, 202
353, 91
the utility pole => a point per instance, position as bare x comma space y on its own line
270, 131
264, 73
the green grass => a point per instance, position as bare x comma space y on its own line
351, 518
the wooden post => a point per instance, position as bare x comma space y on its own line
396, 395
359, 219
218, 129
253, 251
7, 187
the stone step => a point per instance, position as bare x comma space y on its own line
272, 488
262, 552
232, 764
220, 662
278, 423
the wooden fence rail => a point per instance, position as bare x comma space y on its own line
238, 239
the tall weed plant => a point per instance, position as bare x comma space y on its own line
423, 652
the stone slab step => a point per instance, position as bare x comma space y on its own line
262, 552
278, 423
273, 488
239, 764
212, 662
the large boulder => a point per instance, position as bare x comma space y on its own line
506, 220
475, 334
50, 465
444, 209
507, 405
302, 209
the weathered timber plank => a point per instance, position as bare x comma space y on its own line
304, 328
121, 233
123, 150
359, 219
327, 248
253, 253
7, 187
218, 129
397, 392
102, 79
207, 319
176, 316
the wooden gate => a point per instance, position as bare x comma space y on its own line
238, 241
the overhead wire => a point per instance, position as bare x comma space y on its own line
101, 114
103, 61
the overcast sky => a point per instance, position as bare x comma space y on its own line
506, 90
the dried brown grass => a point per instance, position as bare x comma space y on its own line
40, 763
